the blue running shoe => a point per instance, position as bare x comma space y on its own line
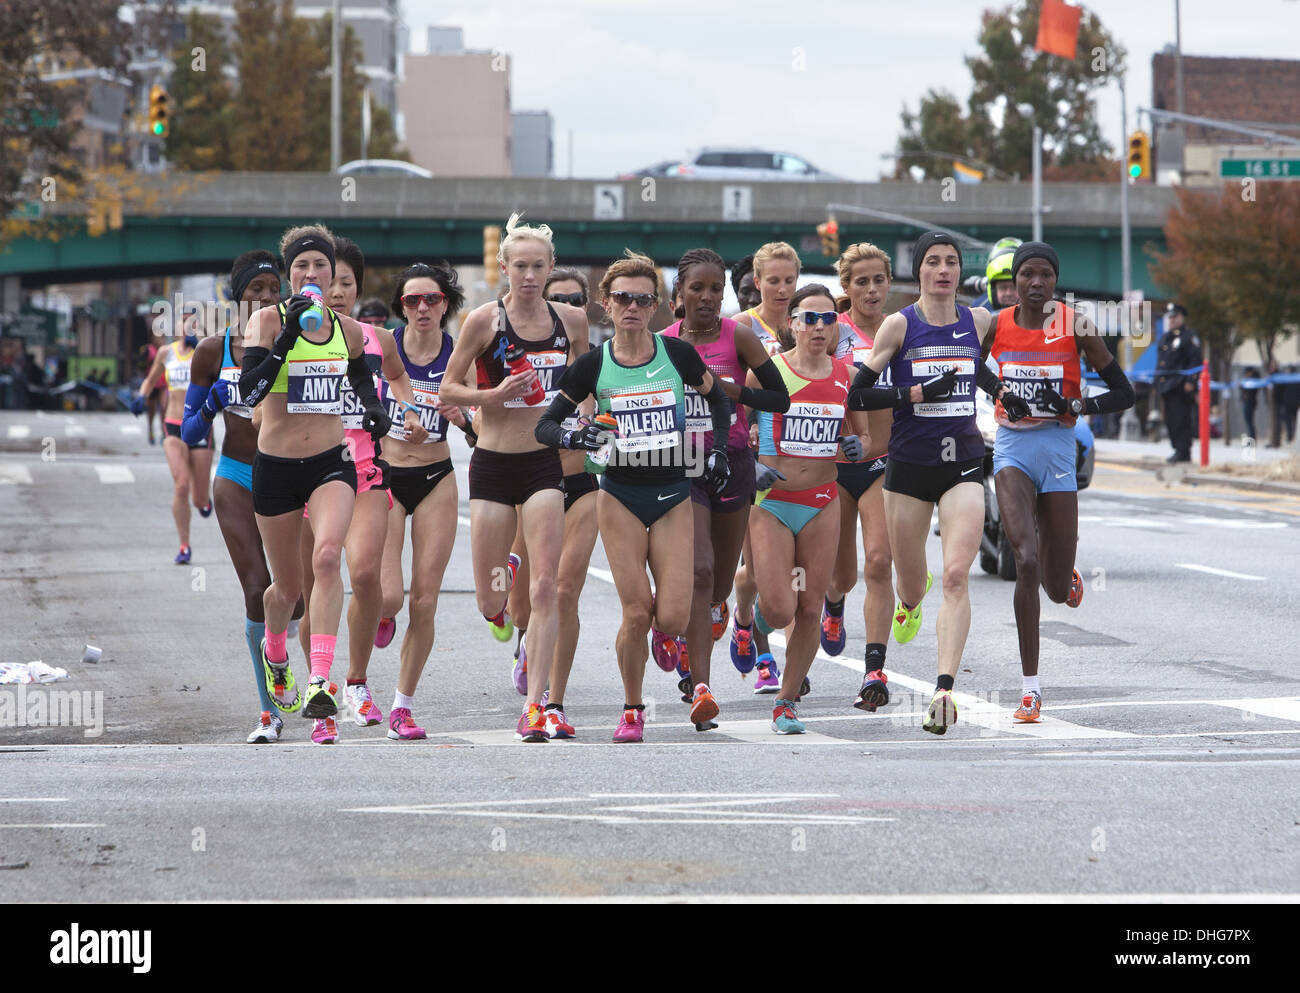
785, 720
769, 675
743, 656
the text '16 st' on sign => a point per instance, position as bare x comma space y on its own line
1260, 168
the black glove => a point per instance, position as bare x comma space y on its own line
1014, 405
590, 436
765, 477
852, 446
376, 422
294, 308
1051, 400
717, 471
937, 387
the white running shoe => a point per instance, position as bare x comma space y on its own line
267, 731
365, 712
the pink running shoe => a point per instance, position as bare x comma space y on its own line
384, 633
666, 651
365, 712
519, 674
324, 731
532, 724
402, 728
631, 726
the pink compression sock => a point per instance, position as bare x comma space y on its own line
322, 654
276, 648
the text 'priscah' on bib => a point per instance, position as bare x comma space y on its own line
647, 421
1026, 381
549, 366
961, 401
811, 430
314, 385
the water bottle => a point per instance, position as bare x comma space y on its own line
516, 360
600, 457
312, 319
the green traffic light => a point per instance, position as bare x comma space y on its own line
1135, 170
158, 129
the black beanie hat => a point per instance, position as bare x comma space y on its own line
926, 242
1035, 250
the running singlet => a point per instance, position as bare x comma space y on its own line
176, 368
312, 375
1027, 358
426, 381
810, 429
360, 442
647, 400
924, 433
230, 372
721, 359
854, 348
550, 357
769, 339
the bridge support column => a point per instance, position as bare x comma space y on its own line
10, 294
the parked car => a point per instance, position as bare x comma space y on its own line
753, 164
383, 167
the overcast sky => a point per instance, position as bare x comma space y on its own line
639, 81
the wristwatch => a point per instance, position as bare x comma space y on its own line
1076, 406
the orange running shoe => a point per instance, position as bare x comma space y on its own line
703, 707
1076, 590
720, 614
1028, 710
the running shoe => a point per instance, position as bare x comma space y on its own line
519, 673
280, 684
833, 634
703, 707
384, 633
183, 556
874, 692
942, 713
769, 675
742, 648
805, 688
1030, 705
206, 509
683, 658
503, 631
365, 712
666, 650
908, 622
402, 728
1076, 590
267, 730
512, 567
720, 614
784, 719
532, 724
557, 725
325, 731
322, 698
707, 726
631, 727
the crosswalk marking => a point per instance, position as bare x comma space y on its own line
1285, 709
1217, 572
114, 474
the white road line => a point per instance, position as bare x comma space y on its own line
13, 473
976, 710
33, 799
1287, 710
114, 474
19, 431
3, 826
1218, 572
1223, 522
74, 430
802, 899
130, 429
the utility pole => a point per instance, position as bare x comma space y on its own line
336, 91
1038, 183
1178, 85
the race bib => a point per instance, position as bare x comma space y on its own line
699, 419
646, 421
961, 402
231, 375
314, 386
426, 398
549, 367
1026, 381
178, 375
811, 430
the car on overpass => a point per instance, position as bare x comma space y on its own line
383, 167
752, 164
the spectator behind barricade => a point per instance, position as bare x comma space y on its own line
1290, 402
1249, 399
1178, 365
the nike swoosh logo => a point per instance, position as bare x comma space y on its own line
1061, 475
1048, 341
665, 496
653, 372
729, 499
962, 335
969, 471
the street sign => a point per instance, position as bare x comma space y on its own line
737, 203
608, 203
1260, 168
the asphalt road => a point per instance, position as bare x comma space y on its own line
1166, 763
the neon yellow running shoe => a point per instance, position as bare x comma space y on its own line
503, 631
942, 713
322, 698
280, 683
908, 622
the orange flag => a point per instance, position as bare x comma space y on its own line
1058, 29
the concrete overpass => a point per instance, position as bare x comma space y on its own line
198, 223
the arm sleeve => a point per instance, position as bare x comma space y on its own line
773, 397
687, 361
195, 426
720, 408
549, 430
987, 380
866, 395
579, 379
260, 367
1119, 397
363, 382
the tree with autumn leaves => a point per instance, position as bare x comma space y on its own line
1232, 262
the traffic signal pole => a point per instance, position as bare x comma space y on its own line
1128, 423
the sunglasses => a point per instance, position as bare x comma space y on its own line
573, 299
813, 317
626, 299
413, 300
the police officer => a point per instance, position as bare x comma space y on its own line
1179, 350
